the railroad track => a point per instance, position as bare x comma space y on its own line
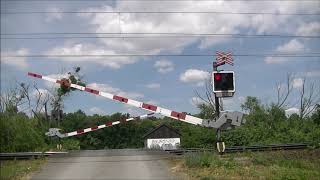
234, 149
27, 155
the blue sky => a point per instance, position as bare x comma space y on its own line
168, 82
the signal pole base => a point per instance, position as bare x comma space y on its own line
221, 147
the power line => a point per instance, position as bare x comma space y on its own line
151, 37
142, 37
160, 12
62, 35
292, 55
150, 0
149, 33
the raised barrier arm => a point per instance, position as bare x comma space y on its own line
149, 107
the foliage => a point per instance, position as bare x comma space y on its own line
19, 133
74, 78
206, 111
199, 160
316, 115
301, 164
70, 144
19, 169
264, 125
252, 104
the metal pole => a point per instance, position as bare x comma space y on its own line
216, 99
217, 104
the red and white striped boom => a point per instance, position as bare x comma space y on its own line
56, 131
226, 120
149, 107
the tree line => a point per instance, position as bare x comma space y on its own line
25, 118
264, 125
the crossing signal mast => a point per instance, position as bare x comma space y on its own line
223, 85
226, 120
223, 81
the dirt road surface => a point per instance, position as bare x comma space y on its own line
107, 164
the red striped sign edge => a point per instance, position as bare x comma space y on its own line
150, 107
121, 99
34, 75
224, 57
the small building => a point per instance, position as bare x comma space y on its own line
162, 137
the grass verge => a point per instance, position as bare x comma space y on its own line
20, 169
303, 164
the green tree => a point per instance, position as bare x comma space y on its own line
316, 115
251, 104
206, 111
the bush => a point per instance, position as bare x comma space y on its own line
271, 126
18, 133
70, 144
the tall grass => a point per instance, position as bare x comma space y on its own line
19, 169
303, 164
208, 159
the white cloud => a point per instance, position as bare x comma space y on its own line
164, 66
309, 29
291, 111
275, 60
108, 88
294, 45
291, 47
194, 76
90, 49
19, 62
153, 86
42, 93
179, 23
297, 83
97, 110
56, 15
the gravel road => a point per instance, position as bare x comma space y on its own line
107, 164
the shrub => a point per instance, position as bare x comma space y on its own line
70, 144
18, 133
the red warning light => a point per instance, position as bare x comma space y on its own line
217, 77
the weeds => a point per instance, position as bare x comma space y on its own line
266, 165
208, 160
19, 169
